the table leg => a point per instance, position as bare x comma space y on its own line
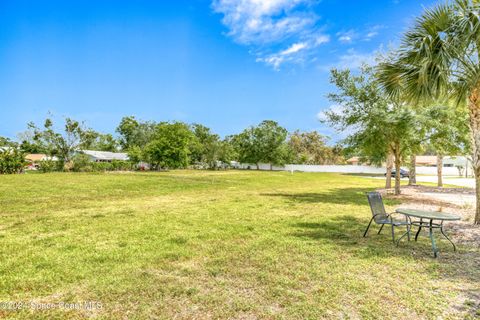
434, 246
419, 229
443, 232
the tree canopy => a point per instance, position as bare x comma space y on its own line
311, 148
264, 143
378, 126
169, 146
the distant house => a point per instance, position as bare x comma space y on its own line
105, 156
448, 161
37, 157
426, 161
456, 161
354, 161
34, 160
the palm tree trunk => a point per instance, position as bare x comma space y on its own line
412, 178
397, 169
440, 170
474, 111
388, 182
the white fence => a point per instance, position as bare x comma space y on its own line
447, 171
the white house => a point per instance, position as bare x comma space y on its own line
105, 156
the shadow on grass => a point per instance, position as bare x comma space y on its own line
363, 174
356, 196
345, 232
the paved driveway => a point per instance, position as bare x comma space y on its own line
455, 181
461, 182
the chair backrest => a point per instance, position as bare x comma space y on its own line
377, 207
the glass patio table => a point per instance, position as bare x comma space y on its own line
428, 219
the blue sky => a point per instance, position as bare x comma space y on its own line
226, 64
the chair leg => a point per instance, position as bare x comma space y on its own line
368, 227
408, 231
393, 233
380, 229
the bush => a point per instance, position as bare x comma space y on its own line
119, 165
102, 166
82, 163
50, 166
12, 160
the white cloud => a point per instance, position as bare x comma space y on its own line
289, 26
335, 108
294, 48
372, 32
263, 21
289, 54
347, 36
354, 60
366, 34
321, 39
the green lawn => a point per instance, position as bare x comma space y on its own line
234, 244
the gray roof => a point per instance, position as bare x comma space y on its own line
106, 155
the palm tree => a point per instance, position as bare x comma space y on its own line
439, 58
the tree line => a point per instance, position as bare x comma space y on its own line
165, 145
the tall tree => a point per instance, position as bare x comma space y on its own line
169, 147
5, 142
439, 57
245, 148
382, 129
101, 142
135, 133
206, 147
61, 143
265, 143
311, 148
29, 142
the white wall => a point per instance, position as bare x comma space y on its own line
447, 171
335, 168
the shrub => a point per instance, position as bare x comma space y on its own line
119, 165
82, 163
50, 166
102, 166
12, 160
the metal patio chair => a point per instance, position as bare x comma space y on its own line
380, 216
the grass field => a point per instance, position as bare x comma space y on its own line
234, 244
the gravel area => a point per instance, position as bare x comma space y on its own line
460, 201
